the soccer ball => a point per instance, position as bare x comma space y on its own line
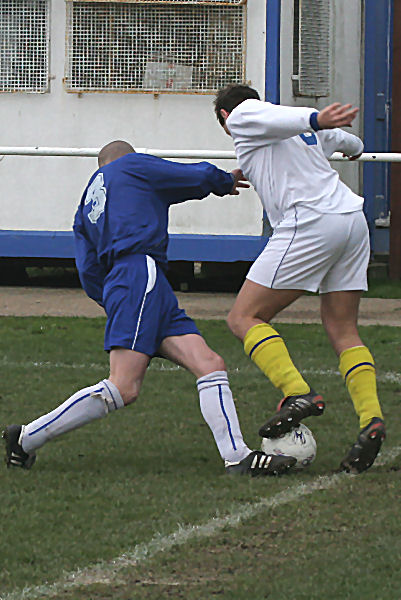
298, 442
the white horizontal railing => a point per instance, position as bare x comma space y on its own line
197, 154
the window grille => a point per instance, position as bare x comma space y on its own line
151, 46
166, 1
311, 50
24, 42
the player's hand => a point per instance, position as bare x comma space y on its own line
337, 115
352, 157
239, 181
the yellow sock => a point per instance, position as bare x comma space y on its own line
267, 350
358, 370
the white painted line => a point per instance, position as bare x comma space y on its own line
386, 377
5, 362
109, 572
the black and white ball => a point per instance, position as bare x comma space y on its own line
298, 442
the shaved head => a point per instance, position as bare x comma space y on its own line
112, 151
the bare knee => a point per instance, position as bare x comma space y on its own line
218, 363
129, 398
210, 363
214, 363
129, 391
234, 323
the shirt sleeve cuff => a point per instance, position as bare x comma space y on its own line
313, 121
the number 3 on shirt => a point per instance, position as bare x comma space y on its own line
309, 138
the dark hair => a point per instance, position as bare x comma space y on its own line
232, 95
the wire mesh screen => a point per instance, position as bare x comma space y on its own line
118, 46
312, 47
24, 42
171, 1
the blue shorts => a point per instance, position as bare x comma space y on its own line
142, 309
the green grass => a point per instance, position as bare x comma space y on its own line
378, 288
153, 467
383, 288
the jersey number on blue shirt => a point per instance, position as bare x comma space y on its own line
97, 195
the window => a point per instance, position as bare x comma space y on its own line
24, 41
156, 45
311, 49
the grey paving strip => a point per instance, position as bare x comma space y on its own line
29, 301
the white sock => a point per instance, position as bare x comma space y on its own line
88, 404
218, 410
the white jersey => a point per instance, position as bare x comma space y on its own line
286, 160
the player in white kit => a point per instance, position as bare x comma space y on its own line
320, 242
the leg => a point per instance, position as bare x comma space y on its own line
339, 312
299, 256
182, 344
217, 406
248, 320
216, 401
257, 304
192, 352
127, 369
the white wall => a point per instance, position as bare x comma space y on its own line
41, 193
346, 69
38, 193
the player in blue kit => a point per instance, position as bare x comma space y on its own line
121, 242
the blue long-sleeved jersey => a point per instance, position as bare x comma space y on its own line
124, 209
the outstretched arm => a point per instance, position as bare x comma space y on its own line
256, 123
328, 121
336, 115
194, 181
337, 140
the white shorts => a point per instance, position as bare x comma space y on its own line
314, 251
